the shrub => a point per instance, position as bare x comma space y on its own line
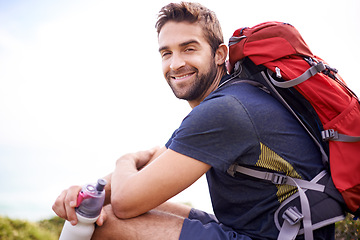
23, 230
348, 229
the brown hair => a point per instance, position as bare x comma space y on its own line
193, 12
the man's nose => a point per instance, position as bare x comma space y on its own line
177, 62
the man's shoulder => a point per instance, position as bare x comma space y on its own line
244, 91
239, 84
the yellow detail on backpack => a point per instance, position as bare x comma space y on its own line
270, 160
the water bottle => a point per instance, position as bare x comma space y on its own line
89, 204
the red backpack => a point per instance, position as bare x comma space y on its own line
311, 90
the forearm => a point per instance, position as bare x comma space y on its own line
122, 186
127, 189
108, 178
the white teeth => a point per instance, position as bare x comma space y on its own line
178, 78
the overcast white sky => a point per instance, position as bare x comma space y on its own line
81, 84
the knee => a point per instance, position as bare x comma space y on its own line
106, 230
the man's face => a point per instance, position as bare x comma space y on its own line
187, 60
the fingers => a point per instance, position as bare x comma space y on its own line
65, 203
140, 158
153, 150
70, 204
102, 218
144, 157
58, 207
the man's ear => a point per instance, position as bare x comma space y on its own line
221, 54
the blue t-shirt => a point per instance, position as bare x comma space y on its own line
241, 123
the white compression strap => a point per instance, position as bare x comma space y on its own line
319, 67
278, 178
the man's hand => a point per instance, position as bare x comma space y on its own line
65, 204
135, 192
141, 158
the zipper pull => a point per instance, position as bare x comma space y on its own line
278, 73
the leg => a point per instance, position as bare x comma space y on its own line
164, 222
178, 209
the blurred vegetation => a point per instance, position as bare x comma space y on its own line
348, 229
49, 229
14, 229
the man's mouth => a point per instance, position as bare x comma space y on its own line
182, 77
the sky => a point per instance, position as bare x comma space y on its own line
81, 84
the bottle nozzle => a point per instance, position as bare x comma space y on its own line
100, 185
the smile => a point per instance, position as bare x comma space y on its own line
182, 77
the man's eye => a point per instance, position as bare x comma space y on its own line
165, 54
189, 49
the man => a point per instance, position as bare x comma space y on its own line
229, 123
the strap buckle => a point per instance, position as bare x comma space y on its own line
277, 178
329, 134
292, 215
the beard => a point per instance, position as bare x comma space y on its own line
198, 87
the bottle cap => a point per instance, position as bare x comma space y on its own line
100, 185
91, 199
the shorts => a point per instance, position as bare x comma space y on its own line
203, 226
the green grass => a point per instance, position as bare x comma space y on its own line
13, 229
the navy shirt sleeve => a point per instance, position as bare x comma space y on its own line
216, 132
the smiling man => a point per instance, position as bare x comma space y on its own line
188, 61
230, 122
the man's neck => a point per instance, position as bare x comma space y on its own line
212, 88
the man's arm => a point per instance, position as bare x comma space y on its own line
135, 192
64, 206
156, 152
